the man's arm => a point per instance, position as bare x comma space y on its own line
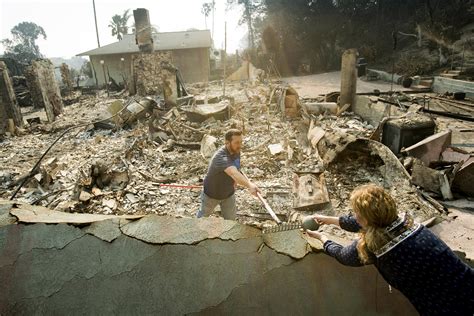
240, 179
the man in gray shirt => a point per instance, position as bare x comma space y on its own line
222, 177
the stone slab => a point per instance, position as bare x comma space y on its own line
37, 214
170, 230
107, 230
291, 243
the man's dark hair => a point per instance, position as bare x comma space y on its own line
232, 132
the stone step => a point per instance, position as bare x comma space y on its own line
420, 88
448, 75
454, 72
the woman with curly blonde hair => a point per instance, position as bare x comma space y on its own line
408, 255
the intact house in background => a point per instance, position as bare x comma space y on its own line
189, 52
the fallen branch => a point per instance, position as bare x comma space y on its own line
44, 197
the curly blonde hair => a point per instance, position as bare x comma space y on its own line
379, 209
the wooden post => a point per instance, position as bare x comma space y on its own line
348, 77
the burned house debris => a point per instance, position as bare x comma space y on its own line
114, 173
305, 153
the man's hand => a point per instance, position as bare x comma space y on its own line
317, 235
242, 180
253, 189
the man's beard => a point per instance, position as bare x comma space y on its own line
233, 151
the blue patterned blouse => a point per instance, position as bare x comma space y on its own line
418, 264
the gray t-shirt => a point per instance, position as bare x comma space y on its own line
217, 184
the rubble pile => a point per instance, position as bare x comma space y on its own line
431, 134
363, 162
155, 163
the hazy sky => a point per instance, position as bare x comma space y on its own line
70, 29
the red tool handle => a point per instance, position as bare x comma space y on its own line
181, 186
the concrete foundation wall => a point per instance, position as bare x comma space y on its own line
167, 266
443, 85
374, 112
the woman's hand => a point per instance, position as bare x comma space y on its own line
317, 235
326, 220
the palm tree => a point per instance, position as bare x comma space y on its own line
118, 24
206, 10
